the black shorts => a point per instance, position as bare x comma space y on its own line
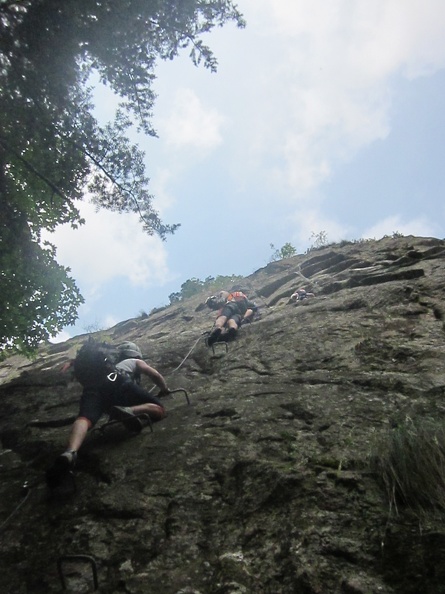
130, 394
97, 401
234, 310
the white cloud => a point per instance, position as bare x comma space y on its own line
110, 246
420, 227
329, 92
191, 124
110, 321
163, 200
62, 336
310, 223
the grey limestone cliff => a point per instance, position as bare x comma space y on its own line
262, 484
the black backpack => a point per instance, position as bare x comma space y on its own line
94, 362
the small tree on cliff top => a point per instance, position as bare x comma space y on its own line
53, 150
286, 251
193, 286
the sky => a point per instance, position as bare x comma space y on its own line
323, 117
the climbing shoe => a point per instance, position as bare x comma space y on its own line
214, 336
67, 460
125, 415
56, 476
231, 334
228, 336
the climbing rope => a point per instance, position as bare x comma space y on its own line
27, 493
189, 353
183, 360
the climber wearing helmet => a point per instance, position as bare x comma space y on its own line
234, 309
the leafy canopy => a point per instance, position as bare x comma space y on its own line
53, 151
193, 286
286, 251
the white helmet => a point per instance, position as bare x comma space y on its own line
212, 302
129, 350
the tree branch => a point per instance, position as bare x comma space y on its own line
33, 170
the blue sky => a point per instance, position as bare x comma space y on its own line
321, 117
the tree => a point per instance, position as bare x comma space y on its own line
287, 251
193, 286
190, 287
320, 240
53, 151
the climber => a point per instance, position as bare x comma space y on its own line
108, 388
234, 309
301, 294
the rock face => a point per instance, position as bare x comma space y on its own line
262, 484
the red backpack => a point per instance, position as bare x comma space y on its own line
236, 296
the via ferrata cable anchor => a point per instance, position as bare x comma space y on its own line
73, 559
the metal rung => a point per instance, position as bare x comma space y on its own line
181, 390
72, 559
142, 416
220, 344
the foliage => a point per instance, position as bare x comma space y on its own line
286, 251
193, 286
39, 298
320, 239
190, 287
53, 151
222, 282
410, 462
93, 327
359, 241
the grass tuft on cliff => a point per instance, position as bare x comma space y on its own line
410, 462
